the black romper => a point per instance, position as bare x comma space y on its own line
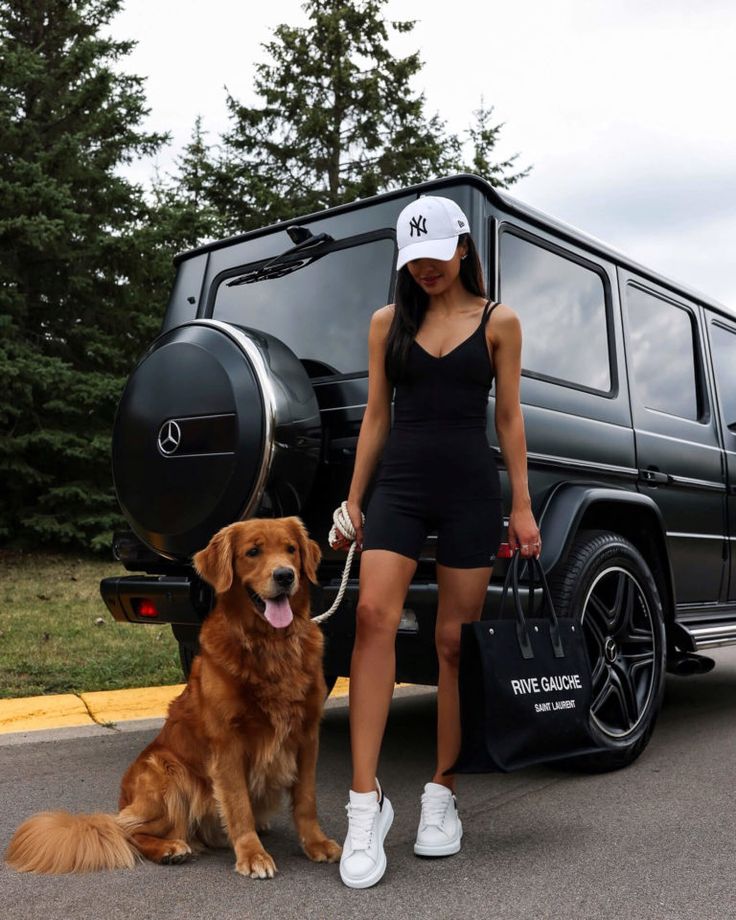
437, 470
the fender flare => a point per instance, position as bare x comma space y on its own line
564, 507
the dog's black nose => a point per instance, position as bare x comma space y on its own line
283, 576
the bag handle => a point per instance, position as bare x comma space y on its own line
532, 563
522, 627
522, 632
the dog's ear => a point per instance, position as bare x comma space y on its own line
215, 562
309, 550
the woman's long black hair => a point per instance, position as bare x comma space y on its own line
411, 305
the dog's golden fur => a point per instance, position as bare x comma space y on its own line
244, 730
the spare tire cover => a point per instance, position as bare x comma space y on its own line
214, 420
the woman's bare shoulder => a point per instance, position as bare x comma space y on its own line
503, 322
502, 311
504, 316
385, 314
382, 318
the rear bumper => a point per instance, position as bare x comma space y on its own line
174, 599
184, 602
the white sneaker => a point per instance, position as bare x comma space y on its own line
363, 859
440, 829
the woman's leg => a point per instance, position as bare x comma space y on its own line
462, 593
385, 577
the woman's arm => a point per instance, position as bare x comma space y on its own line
506, 344
376, 419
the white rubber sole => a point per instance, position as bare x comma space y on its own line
444, 849
378, 872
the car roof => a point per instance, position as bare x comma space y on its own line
503, 200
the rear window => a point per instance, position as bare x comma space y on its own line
322, 310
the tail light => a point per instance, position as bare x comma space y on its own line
145, 607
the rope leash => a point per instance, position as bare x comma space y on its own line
342, 527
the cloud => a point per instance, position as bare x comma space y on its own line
679, 223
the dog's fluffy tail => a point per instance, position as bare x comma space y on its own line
55, 842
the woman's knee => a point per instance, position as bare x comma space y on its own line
447, 640
376, 621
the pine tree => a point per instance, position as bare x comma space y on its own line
484, 136
75, 274
338, 120
186, 217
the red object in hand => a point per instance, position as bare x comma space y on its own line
504, 551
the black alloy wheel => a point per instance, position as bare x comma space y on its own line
607, 585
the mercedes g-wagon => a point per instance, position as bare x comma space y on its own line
250, 401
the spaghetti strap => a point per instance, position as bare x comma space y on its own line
487, 312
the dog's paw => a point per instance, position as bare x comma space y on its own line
323, 850
257, 865
178, 852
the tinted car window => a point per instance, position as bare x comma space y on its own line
662, 354
562, 308
323, 310
724, 359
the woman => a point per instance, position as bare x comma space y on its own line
440, 345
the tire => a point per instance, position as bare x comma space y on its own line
606, 584
246, 444
187, 653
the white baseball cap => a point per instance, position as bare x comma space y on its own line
428, 228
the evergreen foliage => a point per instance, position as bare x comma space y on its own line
484, 136
338, 120
187, 216
77, 265
85, 254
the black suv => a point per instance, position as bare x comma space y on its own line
250, 401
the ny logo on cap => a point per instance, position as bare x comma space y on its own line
419, 224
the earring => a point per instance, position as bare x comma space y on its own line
464, 257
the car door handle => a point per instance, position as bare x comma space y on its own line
654, 475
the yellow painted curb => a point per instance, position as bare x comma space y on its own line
100, 707
341, 688
36, 712
138, 703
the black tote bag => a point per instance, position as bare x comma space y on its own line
524, 685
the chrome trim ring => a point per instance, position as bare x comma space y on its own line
263, 377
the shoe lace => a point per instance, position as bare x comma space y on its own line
361, 821
434, 809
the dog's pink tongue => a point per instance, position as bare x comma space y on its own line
278, 611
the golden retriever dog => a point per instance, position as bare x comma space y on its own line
244, 730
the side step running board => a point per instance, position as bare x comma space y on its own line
711, 636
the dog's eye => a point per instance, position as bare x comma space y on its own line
291, 549
253, 551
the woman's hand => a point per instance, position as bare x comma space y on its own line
356, 516
524, 533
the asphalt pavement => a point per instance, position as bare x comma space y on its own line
655, 840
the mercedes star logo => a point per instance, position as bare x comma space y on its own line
169, 438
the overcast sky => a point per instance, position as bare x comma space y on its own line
624, 108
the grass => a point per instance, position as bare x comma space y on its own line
50, 637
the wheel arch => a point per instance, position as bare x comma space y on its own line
571, 507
